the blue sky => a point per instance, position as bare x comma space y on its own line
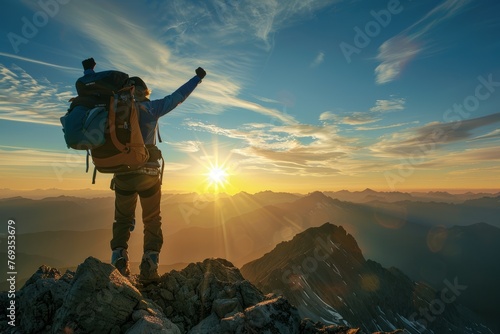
299, 96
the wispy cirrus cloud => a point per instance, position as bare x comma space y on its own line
26, 99
431, 137
394, 104
36, 61
493, 134
31, 157
232, 21
352, 118
464, 161
394, 54
189, 146
383, 127
400, 49
174, 167
320, 58
374, 114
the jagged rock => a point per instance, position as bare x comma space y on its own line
210, 324
223, 307
189, 296
40, 298
271, 316
307, 326
99, 299
152, 321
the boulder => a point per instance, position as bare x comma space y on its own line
99, 299
40, 298
200, 290
271, 316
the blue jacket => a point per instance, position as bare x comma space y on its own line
151, 111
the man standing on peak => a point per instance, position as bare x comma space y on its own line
144, 183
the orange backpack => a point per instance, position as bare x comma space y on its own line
124, 148
112, 138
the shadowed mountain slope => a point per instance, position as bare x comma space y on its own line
324, 274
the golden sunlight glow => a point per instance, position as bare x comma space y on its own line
217, 177
217, 173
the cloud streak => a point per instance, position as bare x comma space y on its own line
39, 62
431, 137
373, 115
320, 58
396, 52
26, 99
389, 105
32, 157
233, 21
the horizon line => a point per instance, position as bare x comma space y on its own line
453, 191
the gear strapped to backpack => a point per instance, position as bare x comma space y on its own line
103, 120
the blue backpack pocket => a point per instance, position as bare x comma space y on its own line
84, 128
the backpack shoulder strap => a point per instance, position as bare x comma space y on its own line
158, 132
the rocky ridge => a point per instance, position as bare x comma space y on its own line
206, 297
323, 272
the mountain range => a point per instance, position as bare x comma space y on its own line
430, 241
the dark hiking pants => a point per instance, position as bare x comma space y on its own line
127, 189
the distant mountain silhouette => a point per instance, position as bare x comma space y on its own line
369, 195
53, 192
57, 213
482, 210
182, 211
179, 210
324, 274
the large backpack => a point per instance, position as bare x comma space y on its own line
103, 120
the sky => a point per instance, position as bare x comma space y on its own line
300, 95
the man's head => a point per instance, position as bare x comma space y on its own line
141, 92
88, 64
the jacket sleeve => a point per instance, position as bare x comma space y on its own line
168, 103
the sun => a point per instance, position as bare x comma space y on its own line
217, 177
216, 173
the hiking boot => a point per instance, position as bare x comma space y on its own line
149, 267
119, 259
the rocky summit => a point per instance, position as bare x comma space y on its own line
207, 297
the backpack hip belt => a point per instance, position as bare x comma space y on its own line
143, 170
